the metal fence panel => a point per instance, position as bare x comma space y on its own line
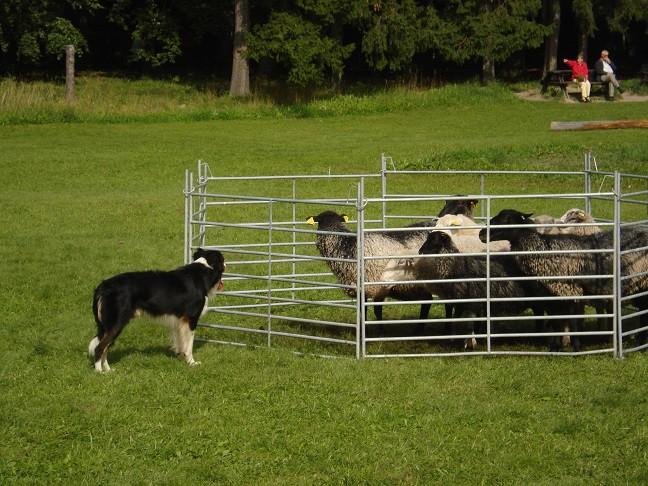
279, 290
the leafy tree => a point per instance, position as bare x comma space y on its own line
153, 30
300, 46
61, 33
32, 30
391, 33
490, 30
627, 13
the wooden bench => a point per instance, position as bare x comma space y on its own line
561, 78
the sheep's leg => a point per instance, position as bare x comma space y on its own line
478, 327
578, 308
448, 315
604, 324
459, 312
555, 342
642, 336
540, 324
378, 312
423, 314
456, 312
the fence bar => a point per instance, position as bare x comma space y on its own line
617, 323
361, 349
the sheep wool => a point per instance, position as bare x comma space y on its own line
450, 267
341, 253
578, 217
574, 262
465, 235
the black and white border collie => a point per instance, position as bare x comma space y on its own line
178, 297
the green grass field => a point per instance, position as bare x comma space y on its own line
82, 201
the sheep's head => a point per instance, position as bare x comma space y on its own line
459, 206
328, 219
438, 242
506, 217
576, 215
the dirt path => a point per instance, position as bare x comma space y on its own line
534, 95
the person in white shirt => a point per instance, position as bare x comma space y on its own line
606, 72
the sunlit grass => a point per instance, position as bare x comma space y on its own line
113, 100
83, 201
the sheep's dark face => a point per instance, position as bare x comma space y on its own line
328, 219
438, 242
506, 217
462, 206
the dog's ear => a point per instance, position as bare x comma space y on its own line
198, 253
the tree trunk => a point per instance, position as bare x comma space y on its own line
488, 71
552, 17
240, 82
582, 45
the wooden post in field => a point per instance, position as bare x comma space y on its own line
69, 73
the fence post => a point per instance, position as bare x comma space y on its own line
361, 346
69, 73
383, 180
588, 181
187, 222
618, 308
269, 293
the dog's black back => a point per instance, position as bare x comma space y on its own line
179, 294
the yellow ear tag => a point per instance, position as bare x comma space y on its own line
455, 222
310, 220
346, 218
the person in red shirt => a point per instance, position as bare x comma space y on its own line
580, 75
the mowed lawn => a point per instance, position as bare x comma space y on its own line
81, 202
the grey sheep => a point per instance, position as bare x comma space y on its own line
375, 244
575, 263
387, 243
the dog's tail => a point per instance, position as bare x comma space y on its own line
97, 312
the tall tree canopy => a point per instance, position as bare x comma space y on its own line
312, 42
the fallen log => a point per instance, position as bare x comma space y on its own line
599, 125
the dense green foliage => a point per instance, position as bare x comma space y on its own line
82, 201
310, 42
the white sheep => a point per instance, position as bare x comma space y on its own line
465, 235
